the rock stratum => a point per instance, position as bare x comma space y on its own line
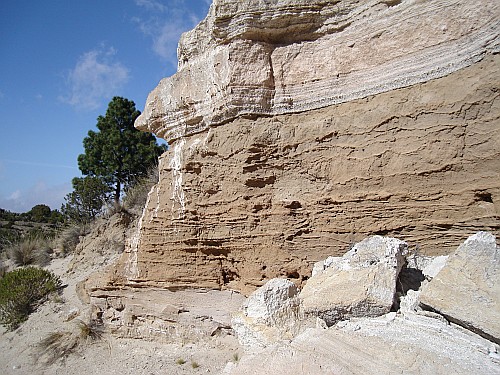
288, 56
298, 128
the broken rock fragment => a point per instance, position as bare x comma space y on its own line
271, 313
361, 283
467, 290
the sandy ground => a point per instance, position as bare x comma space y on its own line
406, 342
110, 355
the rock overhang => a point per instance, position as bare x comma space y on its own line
288, 56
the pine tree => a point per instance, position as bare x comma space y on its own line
118, 153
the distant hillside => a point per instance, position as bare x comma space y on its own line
40, 219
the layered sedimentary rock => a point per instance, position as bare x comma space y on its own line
299, 128
288, 56
409, 340
392, 344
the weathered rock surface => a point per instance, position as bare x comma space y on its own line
288, 56
243, 199
361, 283
410, 340
467, 290
271, 313
391, 344
257, 199
163, 315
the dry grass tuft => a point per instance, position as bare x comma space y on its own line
70, 237
59, 345
115, 208
137, 195
31, 250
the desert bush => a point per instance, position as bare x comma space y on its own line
137, 194
58, 345
22, 291
8, 236
34, 249
69, 237
115, 208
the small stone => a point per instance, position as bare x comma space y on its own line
71, 314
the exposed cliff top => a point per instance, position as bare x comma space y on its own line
286, 56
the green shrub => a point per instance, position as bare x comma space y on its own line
8, 236
31, 250
22, 291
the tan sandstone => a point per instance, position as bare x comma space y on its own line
261, 198
248, 194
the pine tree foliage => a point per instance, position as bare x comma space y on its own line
118, 153
86, 201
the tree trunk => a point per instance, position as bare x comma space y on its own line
117, 193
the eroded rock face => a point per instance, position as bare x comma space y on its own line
266, 174
289, 56
467, 289
261, 198
361, 283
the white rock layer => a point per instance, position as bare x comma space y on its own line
288, 56
467, 289
270, 314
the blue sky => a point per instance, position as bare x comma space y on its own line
61, 62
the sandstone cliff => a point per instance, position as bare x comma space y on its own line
297, 128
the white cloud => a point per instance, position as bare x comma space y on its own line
151, 5
15, 195
165, 29
95, 77
40, 193
166, 40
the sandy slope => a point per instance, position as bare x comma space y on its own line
111, 355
